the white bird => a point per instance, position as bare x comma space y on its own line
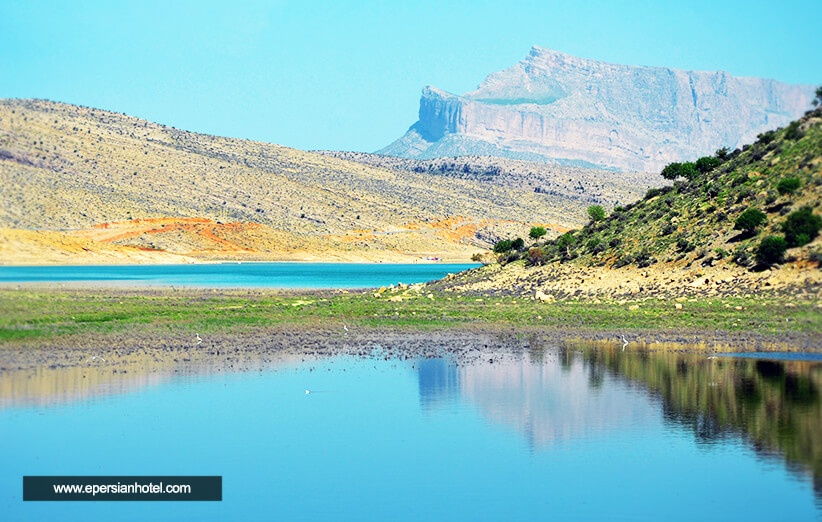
624, 342
345, 328
307, 392
712, 357
94, 357
198, 339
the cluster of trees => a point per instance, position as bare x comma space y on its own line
564, 242
690, 169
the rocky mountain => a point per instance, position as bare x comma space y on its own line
558, 108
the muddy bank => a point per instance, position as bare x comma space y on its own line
266, 345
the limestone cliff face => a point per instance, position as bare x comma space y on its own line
559, 108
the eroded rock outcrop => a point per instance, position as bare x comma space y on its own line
559, 108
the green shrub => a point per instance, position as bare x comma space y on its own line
537, 232
688, 170
596, 213
750, 219
565, 242
801, 227
653, 192
592, 244
706, 164
502, 246
788, 185
766, 137
671, 171
793, 132
771, 250
518, 244
508, 257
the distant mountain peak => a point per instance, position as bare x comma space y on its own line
559, 108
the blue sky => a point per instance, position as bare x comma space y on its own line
347, 75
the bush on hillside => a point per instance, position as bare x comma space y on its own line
793, 132
771, 250
537, 232
671, 171
596, 213
801, 227
565, 242
502, 246
788, 185
706, 164
749, 220
688, 170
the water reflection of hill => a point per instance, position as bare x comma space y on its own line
584, 391
556, 400
773, 404
49, 386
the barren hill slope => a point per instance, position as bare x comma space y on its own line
66, 167
586, 186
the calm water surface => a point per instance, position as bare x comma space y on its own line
560, 433
272, 275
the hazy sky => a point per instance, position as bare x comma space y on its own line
347, 75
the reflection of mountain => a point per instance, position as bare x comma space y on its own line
568, 395
549, 402
773, 404
439, 382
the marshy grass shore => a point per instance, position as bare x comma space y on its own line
56, 326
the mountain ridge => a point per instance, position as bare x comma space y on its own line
563, 109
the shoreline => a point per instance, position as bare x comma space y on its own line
47, 325
462, 344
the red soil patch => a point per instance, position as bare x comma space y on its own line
204, 229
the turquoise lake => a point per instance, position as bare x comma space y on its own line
229, 275
558, 433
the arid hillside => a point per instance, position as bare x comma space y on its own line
588, 186
75, 170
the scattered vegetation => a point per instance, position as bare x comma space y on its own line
770, 190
